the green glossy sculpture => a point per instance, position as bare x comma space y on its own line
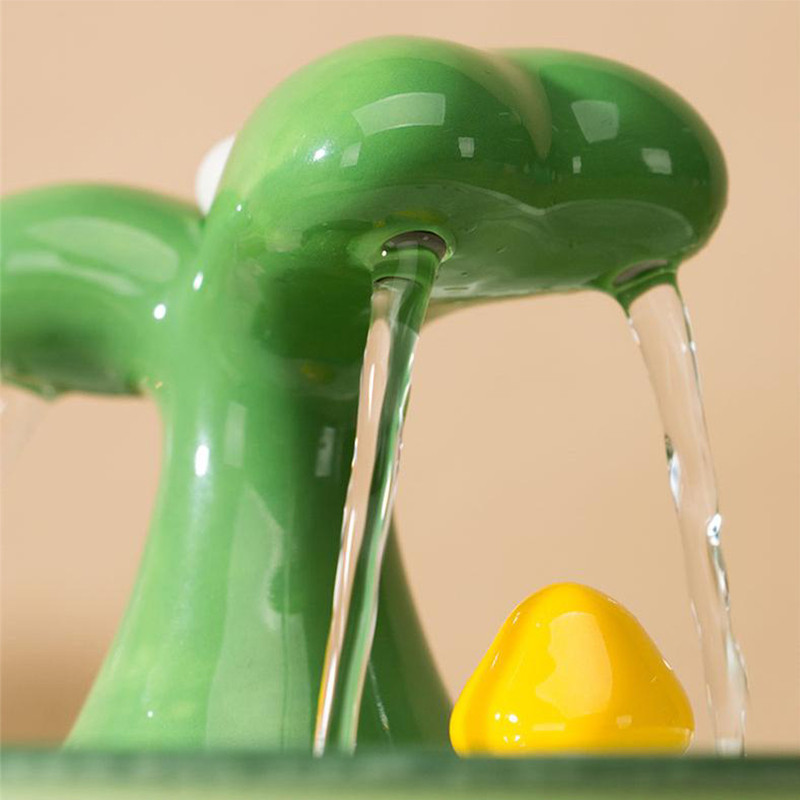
542, 171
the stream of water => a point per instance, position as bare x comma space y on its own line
661, 327
660, 324
399, 303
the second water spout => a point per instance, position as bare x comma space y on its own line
661, 327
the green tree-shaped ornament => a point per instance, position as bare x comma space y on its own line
542, 171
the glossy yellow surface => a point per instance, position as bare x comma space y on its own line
571, 670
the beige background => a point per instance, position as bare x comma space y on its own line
533, 452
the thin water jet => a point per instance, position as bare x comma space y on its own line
660, 324
399, 302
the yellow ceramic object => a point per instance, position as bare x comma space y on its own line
571, 670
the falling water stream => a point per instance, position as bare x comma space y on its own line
399, 303
661, 327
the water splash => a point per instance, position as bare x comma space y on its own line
399, 303
661, 327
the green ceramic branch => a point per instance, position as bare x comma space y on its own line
542, 171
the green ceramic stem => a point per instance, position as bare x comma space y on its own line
541, 171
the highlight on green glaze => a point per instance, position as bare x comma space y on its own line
542, 171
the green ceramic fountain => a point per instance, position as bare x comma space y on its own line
475, 176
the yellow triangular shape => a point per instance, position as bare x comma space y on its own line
571, 670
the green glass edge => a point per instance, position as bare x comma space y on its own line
417, 774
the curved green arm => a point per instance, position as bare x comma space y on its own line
542, 171
85, 270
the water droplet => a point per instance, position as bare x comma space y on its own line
713, 530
